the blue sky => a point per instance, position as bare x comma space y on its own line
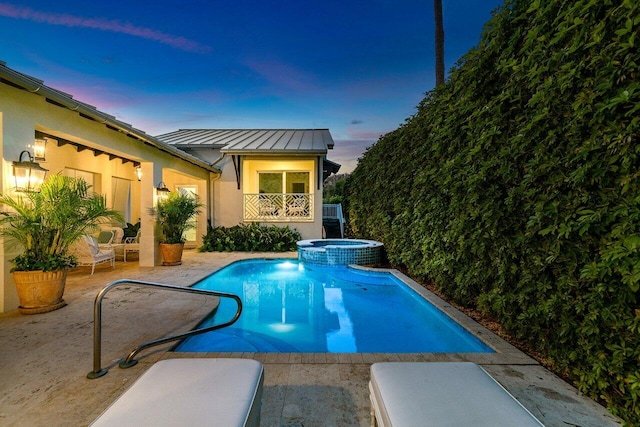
357, 67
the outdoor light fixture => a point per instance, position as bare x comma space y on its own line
28, 175
139, 172
39, 149
162, 191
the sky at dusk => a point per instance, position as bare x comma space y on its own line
356, 67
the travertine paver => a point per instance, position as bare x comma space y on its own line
44, 359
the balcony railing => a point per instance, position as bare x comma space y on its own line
278, 207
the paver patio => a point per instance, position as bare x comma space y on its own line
44, 359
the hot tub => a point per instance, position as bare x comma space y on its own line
340, 251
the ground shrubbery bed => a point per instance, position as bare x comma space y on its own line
251, 237
515, 188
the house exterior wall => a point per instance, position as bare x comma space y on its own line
227, 198
22, 113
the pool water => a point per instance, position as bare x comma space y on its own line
292, 307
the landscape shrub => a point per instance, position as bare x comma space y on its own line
250, 237
332, 200
514, 188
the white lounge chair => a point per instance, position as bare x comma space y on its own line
191, 392
88, 252
425, 394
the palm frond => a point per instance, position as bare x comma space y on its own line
47, 223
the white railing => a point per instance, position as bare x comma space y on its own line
334, 211
278, 207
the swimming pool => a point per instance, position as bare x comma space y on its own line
293, 307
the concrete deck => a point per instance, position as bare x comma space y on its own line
44, 358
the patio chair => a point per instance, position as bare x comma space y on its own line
105, 239
118, 233
116, 242
267, 207
131, 244
88, 252
441, 394
190, 392
298, 207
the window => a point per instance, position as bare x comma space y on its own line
274, 182
269, 182
75, 173
282, 196
297, 182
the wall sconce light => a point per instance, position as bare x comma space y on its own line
39, 149
139, 172
162, 191
28, 175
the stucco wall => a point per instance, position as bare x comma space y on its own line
22, 113
227, 209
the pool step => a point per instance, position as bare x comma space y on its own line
236, 339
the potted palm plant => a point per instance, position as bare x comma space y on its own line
46, 224
174, 215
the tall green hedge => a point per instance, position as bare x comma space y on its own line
515, 187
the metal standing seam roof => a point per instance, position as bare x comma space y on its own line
253, 141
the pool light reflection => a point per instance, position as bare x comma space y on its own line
286, 265
282, 327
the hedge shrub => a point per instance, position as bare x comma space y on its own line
515, 188
251, 237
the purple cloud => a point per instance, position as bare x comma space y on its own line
282, 75
115, 26
364, 134
346, 152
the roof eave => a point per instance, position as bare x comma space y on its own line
38, 87
276, 152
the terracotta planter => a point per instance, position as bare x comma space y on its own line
40, 291
171, 253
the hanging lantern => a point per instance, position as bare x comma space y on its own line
28, 175
39, 149
162, 191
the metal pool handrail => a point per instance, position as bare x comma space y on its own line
129, 360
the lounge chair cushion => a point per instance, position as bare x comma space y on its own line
442, 394
191, 392
105, 237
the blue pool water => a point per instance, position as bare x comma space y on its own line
289, 306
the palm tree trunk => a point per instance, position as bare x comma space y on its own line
437, 8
